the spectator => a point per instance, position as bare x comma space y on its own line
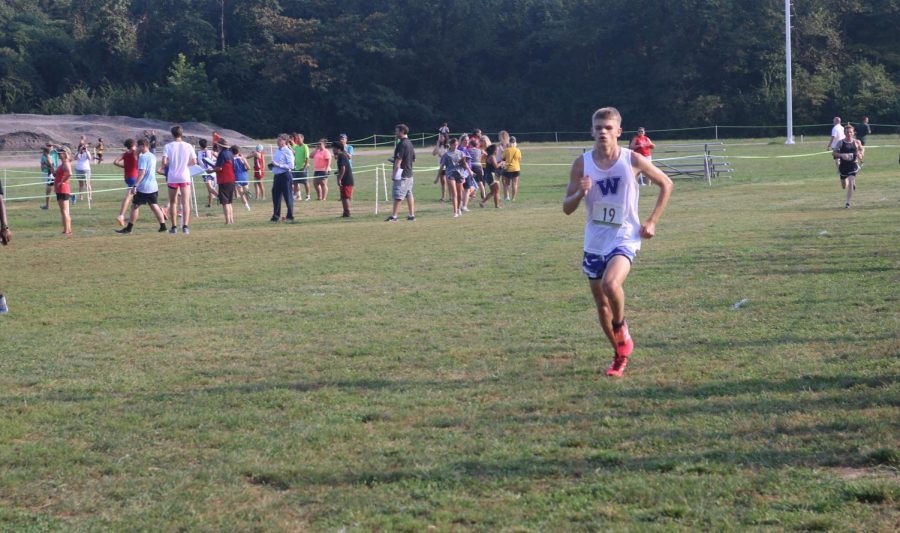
863, 130
49, 162
404, 157
178, 158
491, 167
348, 149
207, 158
512, 158
300, 174
83, 171
641, 144
439, 151
61, 187
282, 165
344, 175
322, 166
225, 178
259, 171
837, 135
456, 168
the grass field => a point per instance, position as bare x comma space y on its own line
352, 374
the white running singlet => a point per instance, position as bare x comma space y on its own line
612, 206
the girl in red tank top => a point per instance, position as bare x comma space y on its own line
61, 187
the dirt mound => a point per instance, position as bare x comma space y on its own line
28, 133
23, 140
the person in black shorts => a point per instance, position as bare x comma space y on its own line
344, 176
491, 168
849, 154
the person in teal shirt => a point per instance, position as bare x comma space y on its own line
348, 150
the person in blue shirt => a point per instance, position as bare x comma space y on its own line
241, 176
145, 190
282, 164
348, 149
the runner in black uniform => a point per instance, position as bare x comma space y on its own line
849, 153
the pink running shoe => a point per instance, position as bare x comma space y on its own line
617, 368
624, 344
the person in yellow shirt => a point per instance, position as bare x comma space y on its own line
512, 159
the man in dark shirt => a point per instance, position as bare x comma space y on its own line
344, 176
225, 177
862, 130
404, 157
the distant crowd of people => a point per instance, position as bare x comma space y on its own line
470, 166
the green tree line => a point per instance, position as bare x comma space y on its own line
262, 66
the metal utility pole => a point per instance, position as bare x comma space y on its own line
787, 59
222, 23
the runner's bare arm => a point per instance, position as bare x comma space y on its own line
579, 185
660, 179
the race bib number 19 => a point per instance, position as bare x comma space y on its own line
607, 214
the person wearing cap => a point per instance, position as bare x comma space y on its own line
512, 158
259, 171
224, 168
348, 148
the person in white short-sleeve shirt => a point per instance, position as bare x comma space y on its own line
837, 135
179, 157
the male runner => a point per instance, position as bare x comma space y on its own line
849, 154
605, 178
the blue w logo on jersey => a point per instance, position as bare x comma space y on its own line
609, 185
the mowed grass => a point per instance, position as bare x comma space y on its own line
356, 374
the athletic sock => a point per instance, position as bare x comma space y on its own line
129, 227
162, 226
618, 326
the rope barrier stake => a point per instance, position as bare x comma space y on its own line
384, 181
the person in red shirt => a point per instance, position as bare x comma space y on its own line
128, 162
259, 171
225, 178
642, 145
63, 192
